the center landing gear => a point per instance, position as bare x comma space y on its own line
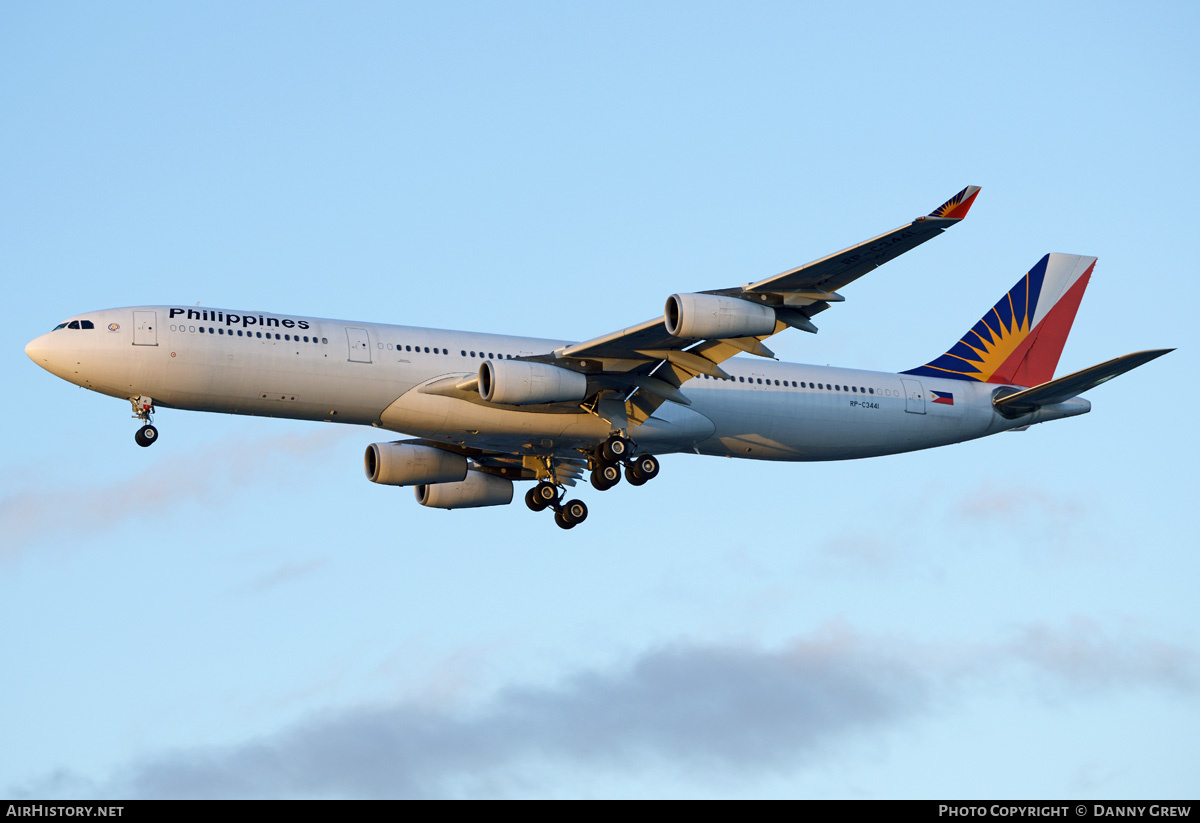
546, 495
143, 408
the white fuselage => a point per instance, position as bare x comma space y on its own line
402, 378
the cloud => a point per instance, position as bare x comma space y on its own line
215, 471
856, 552
1018, 503
718, 715
286, 573
708, 709
1047, 523
1087, 657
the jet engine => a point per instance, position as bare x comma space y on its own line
520, 383
477, 490
408, 464
709, 316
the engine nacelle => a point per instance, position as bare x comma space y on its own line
407, 464
520, 383
709, 316
477, 490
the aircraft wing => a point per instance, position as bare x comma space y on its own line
647, 359
825, 276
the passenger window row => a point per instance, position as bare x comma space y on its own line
803, 384
439, 350
415, 349
488, 355
294, 338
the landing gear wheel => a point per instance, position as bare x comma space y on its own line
633, 476
575, 511
146, 436
571, 514
541, 496
605, 476
647, 466
615, 449
533, 501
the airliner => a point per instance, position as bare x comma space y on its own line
485, 410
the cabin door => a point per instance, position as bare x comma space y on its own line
360, 345
145, 328
914, 396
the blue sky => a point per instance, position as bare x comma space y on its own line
239, 612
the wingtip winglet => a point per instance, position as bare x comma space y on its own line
956, 207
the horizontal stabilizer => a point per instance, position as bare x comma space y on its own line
1071, 385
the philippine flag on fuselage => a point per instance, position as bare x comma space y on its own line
944, 397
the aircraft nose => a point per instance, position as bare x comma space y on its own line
35, 349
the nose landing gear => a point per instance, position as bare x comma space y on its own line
143, 408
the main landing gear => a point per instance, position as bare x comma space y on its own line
606, 463
143, 408
607, 460
641, 470
545, 495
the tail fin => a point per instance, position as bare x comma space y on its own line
1020, 339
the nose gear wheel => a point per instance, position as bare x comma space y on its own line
143, 409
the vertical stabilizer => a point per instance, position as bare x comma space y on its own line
1020, 339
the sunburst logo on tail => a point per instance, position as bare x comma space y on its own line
987, 352
1019, 341
993, 340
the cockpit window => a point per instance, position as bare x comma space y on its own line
86, 324
59, 326
74, 324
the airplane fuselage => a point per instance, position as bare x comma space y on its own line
404, 379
